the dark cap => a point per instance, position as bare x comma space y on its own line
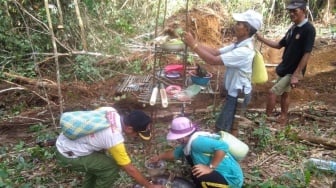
294, 4
139, 121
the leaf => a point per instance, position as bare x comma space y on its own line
179, 31
3, 173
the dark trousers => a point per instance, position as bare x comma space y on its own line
225, 119
212, 180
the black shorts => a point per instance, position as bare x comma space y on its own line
212, 180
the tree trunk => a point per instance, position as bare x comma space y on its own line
80, 21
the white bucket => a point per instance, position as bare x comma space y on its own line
237, 148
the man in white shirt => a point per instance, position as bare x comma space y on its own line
237, 59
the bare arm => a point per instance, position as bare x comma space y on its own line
200, 169
139, 178
268, 42
209, 49
206, 53
298, 72
217, 158
208, 57
167, 155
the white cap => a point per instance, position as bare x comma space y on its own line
250, 16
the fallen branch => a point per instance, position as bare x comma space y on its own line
24, 88
73, 52
326, 117
318, 140
15, 122
316, 118
323, 121
44, 82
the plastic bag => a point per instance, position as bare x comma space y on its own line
259, 71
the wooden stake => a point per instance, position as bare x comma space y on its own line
46, 4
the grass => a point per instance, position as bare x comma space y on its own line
28, 165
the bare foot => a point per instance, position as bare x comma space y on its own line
271, 118
282, 120
234, 132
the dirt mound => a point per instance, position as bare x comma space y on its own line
206, 23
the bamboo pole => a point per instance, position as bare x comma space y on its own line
271, 13
60, 13
80, 22
46, 4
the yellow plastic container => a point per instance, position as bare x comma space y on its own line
237, 148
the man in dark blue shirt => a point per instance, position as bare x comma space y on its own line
298, 43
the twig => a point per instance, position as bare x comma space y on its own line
53, 179
12, 88
268, 158
29, 118
34, 18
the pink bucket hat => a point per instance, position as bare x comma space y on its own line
180, 127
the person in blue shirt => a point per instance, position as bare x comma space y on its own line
212, 163
237, 59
